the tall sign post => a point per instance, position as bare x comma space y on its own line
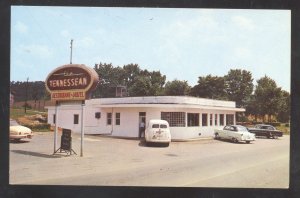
72, 82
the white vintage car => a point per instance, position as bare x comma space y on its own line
158, 131
235, 133
17, 132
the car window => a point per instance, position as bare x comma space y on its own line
163, 126
227, 128
241, 128
155, 126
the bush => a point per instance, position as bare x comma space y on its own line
275, 124
287, 124
38, 127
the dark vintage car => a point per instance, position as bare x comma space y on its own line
266, 130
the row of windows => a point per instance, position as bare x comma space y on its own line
109, 118
177, 119
97, 115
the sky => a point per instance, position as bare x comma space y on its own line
182, 44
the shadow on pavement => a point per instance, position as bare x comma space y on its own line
18, 141
230, 141
35, 154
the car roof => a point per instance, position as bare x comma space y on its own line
157, 121
263, 125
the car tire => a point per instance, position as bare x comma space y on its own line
248, 142
167, 144
235, 140
217, 136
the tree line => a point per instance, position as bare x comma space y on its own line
265, 100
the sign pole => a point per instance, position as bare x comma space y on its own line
82, 128
56, 126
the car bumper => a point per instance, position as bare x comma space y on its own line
29, 136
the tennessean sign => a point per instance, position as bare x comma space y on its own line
71, 82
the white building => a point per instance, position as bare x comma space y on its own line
189, 117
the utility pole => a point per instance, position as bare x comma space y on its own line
71, 51
26, 87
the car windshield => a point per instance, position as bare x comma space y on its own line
13, 123
163, 126
241, 128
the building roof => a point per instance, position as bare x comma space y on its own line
165, 102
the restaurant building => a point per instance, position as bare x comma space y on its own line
189, 117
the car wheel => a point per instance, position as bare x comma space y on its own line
167, 144
217, 136
17, 140
235, 140
269, 136
247, 142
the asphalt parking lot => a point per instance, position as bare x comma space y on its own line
110, 161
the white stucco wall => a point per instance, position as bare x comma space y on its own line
129, 119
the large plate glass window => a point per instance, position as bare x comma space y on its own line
221, 119
204, 119
229, 119
118, 118
109, 118
175, 119
193, 119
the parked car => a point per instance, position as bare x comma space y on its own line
235, 133
158, 131
18, 132
266, 130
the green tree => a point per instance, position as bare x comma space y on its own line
283, 115
147, 84
210, 87
239, 86
177, 88
267, 97
110, 77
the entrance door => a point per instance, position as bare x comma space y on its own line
142, 124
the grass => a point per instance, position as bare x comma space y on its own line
284, 129
16, 113
22, 117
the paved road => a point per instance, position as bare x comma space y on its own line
120, 162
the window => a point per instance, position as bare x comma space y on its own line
211, 120
216, 119
193, 119
229, 119
76, 118
54, 118
221, 119
118, 118
98, 115
175, 119
109, 118
204, 119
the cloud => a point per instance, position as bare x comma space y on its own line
21, 27
243, 22
41, 51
